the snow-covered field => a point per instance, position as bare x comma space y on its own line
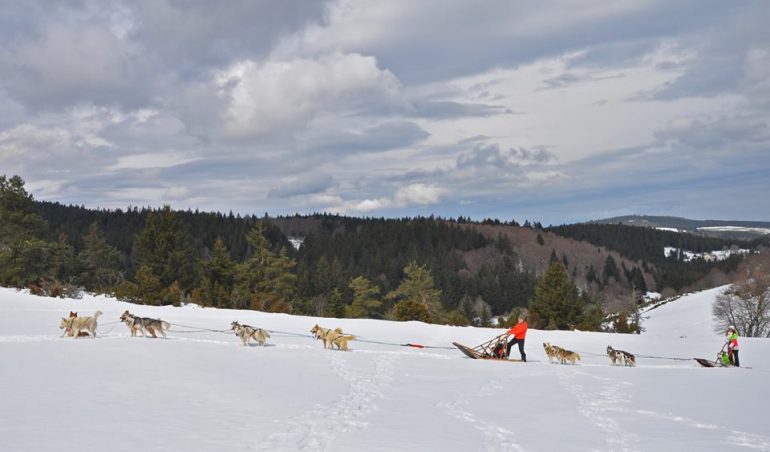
205, 392
734, 229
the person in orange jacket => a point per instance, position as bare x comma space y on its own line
519, 332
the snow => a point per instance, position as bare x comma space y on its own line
668, 229
205, 392
734, 229
718, 255
649, 296
296, 242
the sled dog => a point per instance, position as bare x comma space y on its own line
341, 341
550, 351
621, 357
563, 355
154, 326
325, 334
74, 326
246, 332
145, 325
69, 332
132, 322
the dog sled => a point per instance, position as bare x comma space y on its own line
494, 349
722, 360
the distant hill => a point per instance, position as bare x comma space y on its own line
727, 229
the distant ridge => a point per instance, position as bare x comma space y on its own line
729, 229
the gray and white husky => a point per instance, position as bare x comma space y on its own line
145, 325
246, 332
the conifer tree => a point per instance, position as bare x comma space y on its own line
365, 300
166, 247
417, 289
336, 306
268, 280
99, 261
149, 288
25, 253
218, 279
556, 304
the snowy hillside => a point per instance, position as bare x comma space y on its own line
203, 391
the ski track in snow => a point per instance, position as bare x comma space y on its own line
496, 438
315, 429
596, 406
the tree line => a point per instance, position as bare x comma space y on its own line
407, 268
426, 269
646, 245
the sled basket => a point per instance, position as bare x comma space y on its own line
492, 349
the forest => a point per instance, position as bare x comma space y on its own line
430, 269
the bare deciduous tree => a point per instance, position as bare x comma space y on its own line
746, 304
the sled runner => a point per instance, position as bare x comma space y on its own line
494, 349
706, 363
723, 360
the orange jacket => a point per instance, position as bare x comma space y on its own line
519, 331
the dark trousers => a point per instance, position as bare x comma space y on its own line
521, 348
734, 358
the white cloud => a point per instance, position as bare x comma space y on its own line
410, 195
282, 94
153, 160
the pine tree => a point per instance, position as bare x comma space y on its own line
553, 258
611, 269
25, 253
556, 304
336, 306
365, 300
166, 247
99, 261
218, 279
417, 288
149, 288
408, 309
267, 280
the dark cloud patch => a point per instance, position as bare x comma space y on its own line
131, 54
491, 156
561, 81
315, 183
505, 35
719, 62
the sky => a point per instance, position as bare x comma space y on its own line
550, 111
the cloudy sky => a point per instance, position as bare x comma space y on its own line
552, 111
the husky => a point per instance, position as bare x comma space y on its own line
621, 357
568, 355
341, 340
325, 334
550, 351
69, 332
246, 332
153, 326
74, 326
132, 323
563, 355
